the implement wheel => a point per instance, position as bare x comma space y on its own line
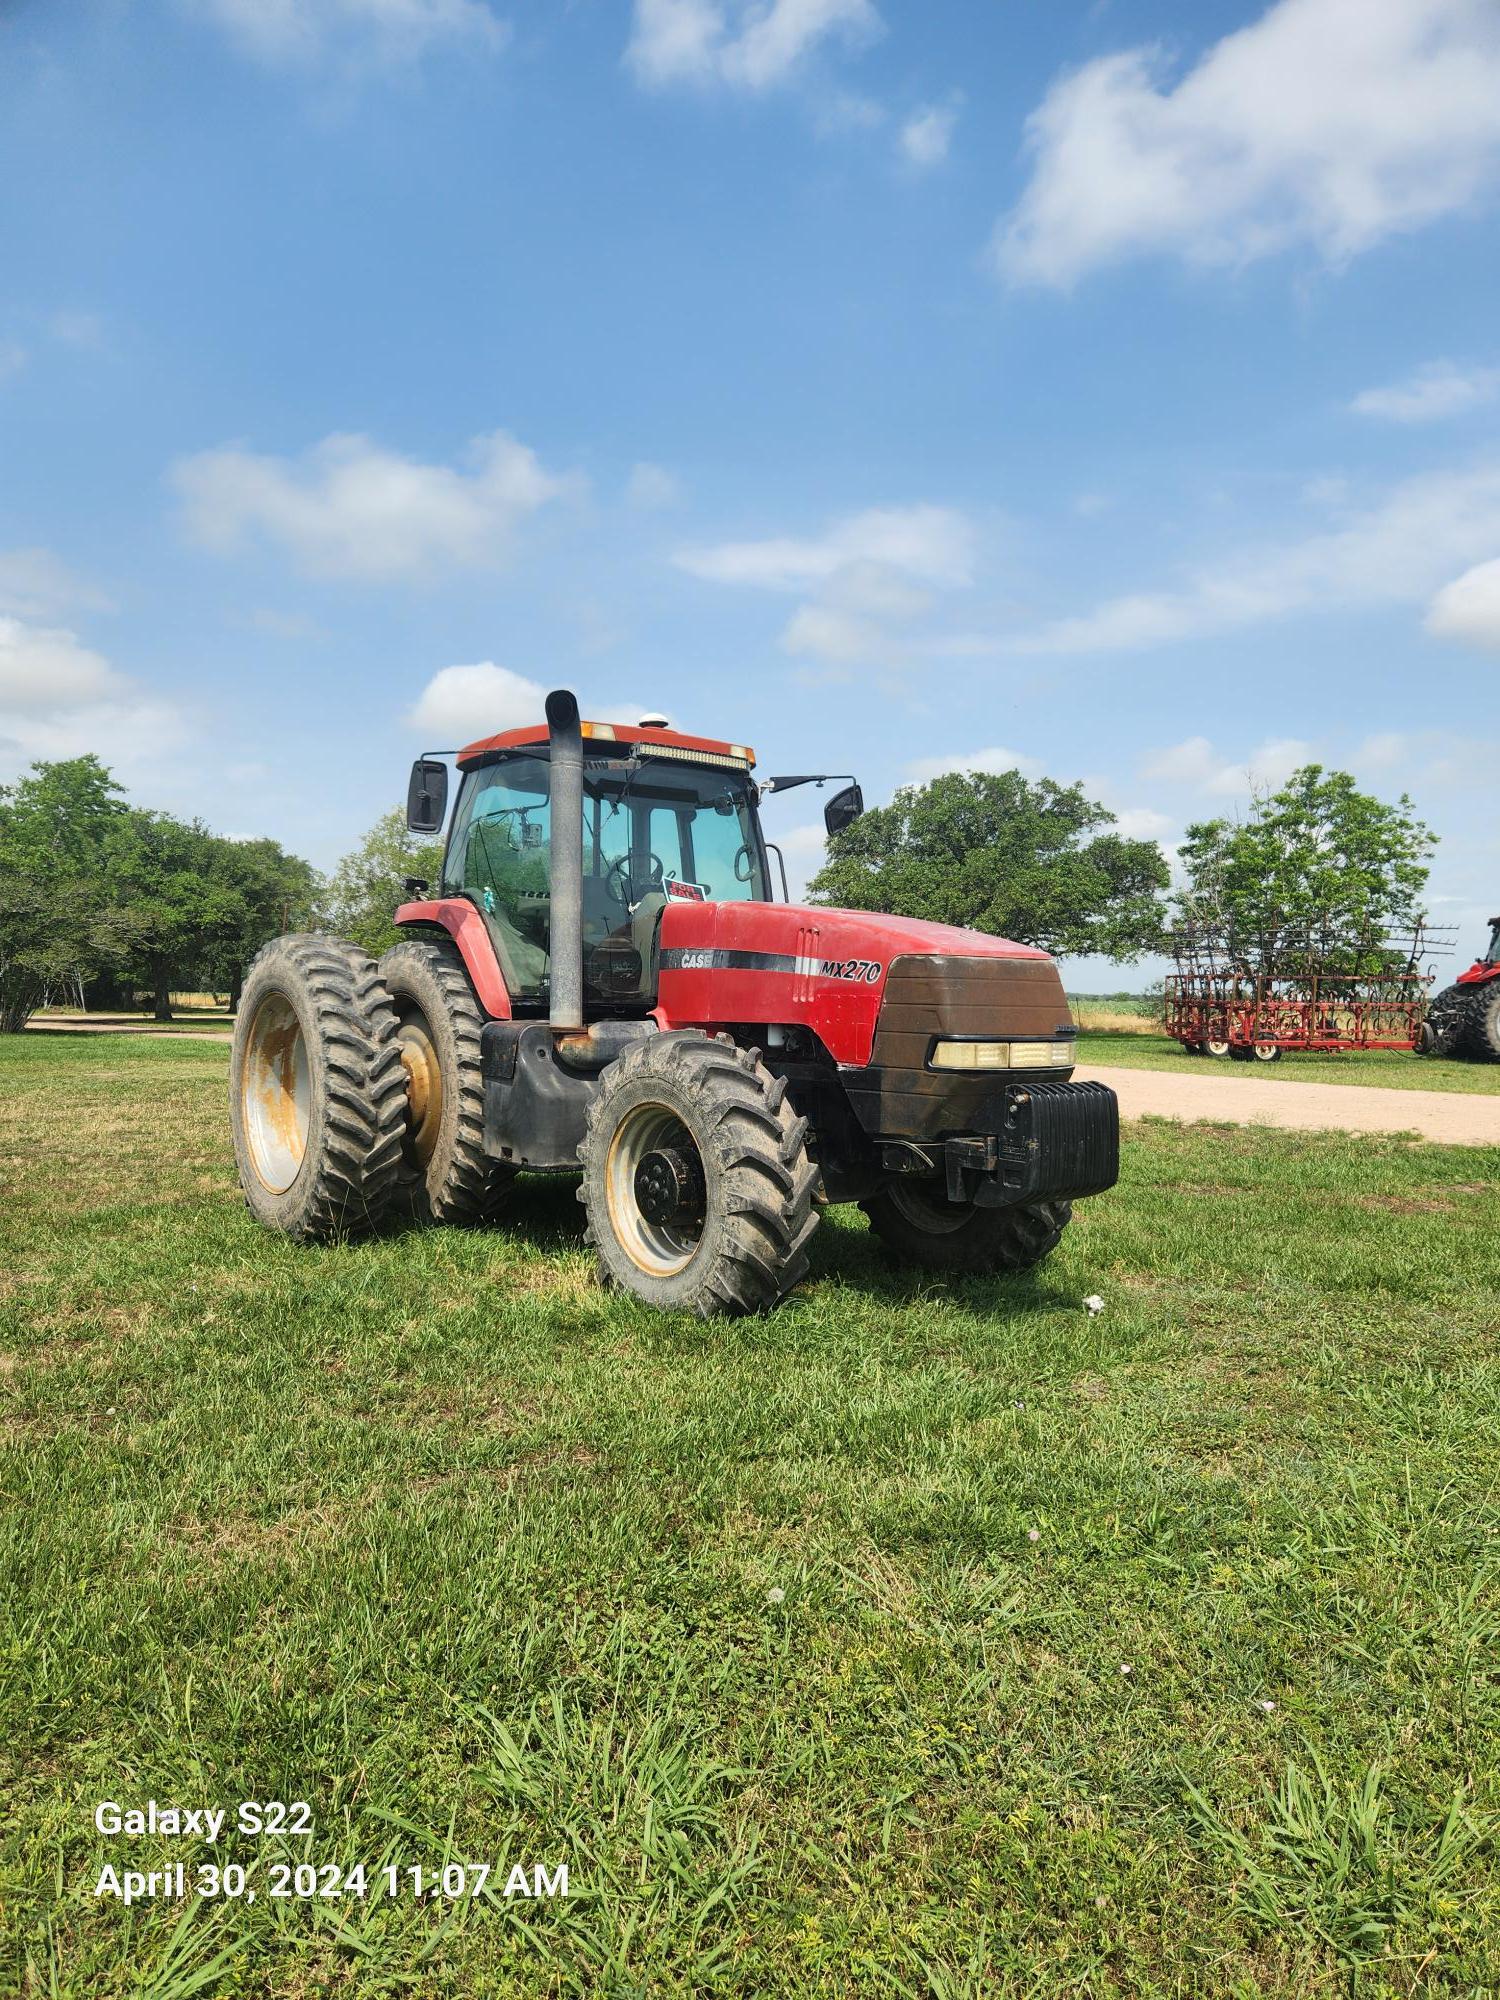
696, 1177
317, 1095
445, 1175
915, 1221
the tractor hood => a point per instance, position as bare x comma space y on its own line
790, 963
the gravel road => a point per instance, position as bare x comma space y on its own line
1449, 1117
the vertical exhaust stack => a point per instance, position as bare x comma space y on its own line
566, 875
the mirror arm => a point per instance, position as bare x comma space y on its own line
770, 785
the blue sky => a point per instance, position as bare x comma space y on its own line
1111, 388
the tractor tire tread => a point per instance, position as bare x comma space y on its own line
349, 1174
467, 1186
755, 1247
992, 1240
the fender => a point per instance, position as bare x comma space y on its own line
466, 927
1480, 973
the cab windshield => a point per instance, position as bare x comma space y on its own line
653, 831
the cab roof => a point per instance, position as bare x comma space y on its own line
671, 740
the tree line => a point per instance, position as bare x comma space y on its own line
101, 900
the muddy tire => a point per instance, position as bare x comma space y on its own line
317, 1094
919, 1226
445, 1175
1478, 1035
696, 1177
1218, 1050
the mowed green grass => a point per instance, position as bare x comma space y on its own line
1391, 1069
1146, 1654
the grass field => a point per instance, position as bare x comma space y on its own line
1390, 1069
921, 1639
1117, 1013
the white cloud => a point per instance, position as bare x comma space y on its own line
460, 704
1141, 823
349, 508
1195, 763
928, 133
58, 698
822, 632
1438, 389
45, 668
1327, 123
384, 31
35, 583
996, 759
932, 544
1397, 552
1265, 768
651, 487
1469, 607
872, 573
745, 44
1192, 762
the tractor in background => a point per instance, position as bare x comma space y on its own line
603, 984
1464, 1019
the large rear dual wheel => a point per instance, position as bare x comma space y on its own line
355, 1089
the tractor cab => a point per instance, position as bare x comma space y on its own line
665, 818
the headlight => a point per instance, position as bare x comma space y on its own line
1002, 1055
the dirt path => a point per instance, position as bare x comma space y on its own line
1449, 1117
126, 1024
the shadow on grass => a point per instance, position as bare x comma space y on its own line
544, 1215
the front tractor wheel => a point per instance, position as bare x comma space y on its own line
920, 1226
316, 1090
696, 1177
445, 1174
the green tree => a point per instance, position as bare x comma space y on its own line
172, 916
275, 892
995, 852
369, 883
55, 826
1317, 860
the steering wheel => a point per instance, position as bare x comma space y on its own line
623, 889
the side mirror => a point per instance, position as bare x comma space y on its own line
427, 796
843, 809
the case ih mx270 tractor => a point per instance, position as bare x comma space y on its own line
602, 981
1464, 1019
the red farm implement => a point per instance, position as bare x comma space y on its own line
1253, 999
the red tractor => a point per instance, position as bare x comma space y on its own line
1464, 1019
602, 981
